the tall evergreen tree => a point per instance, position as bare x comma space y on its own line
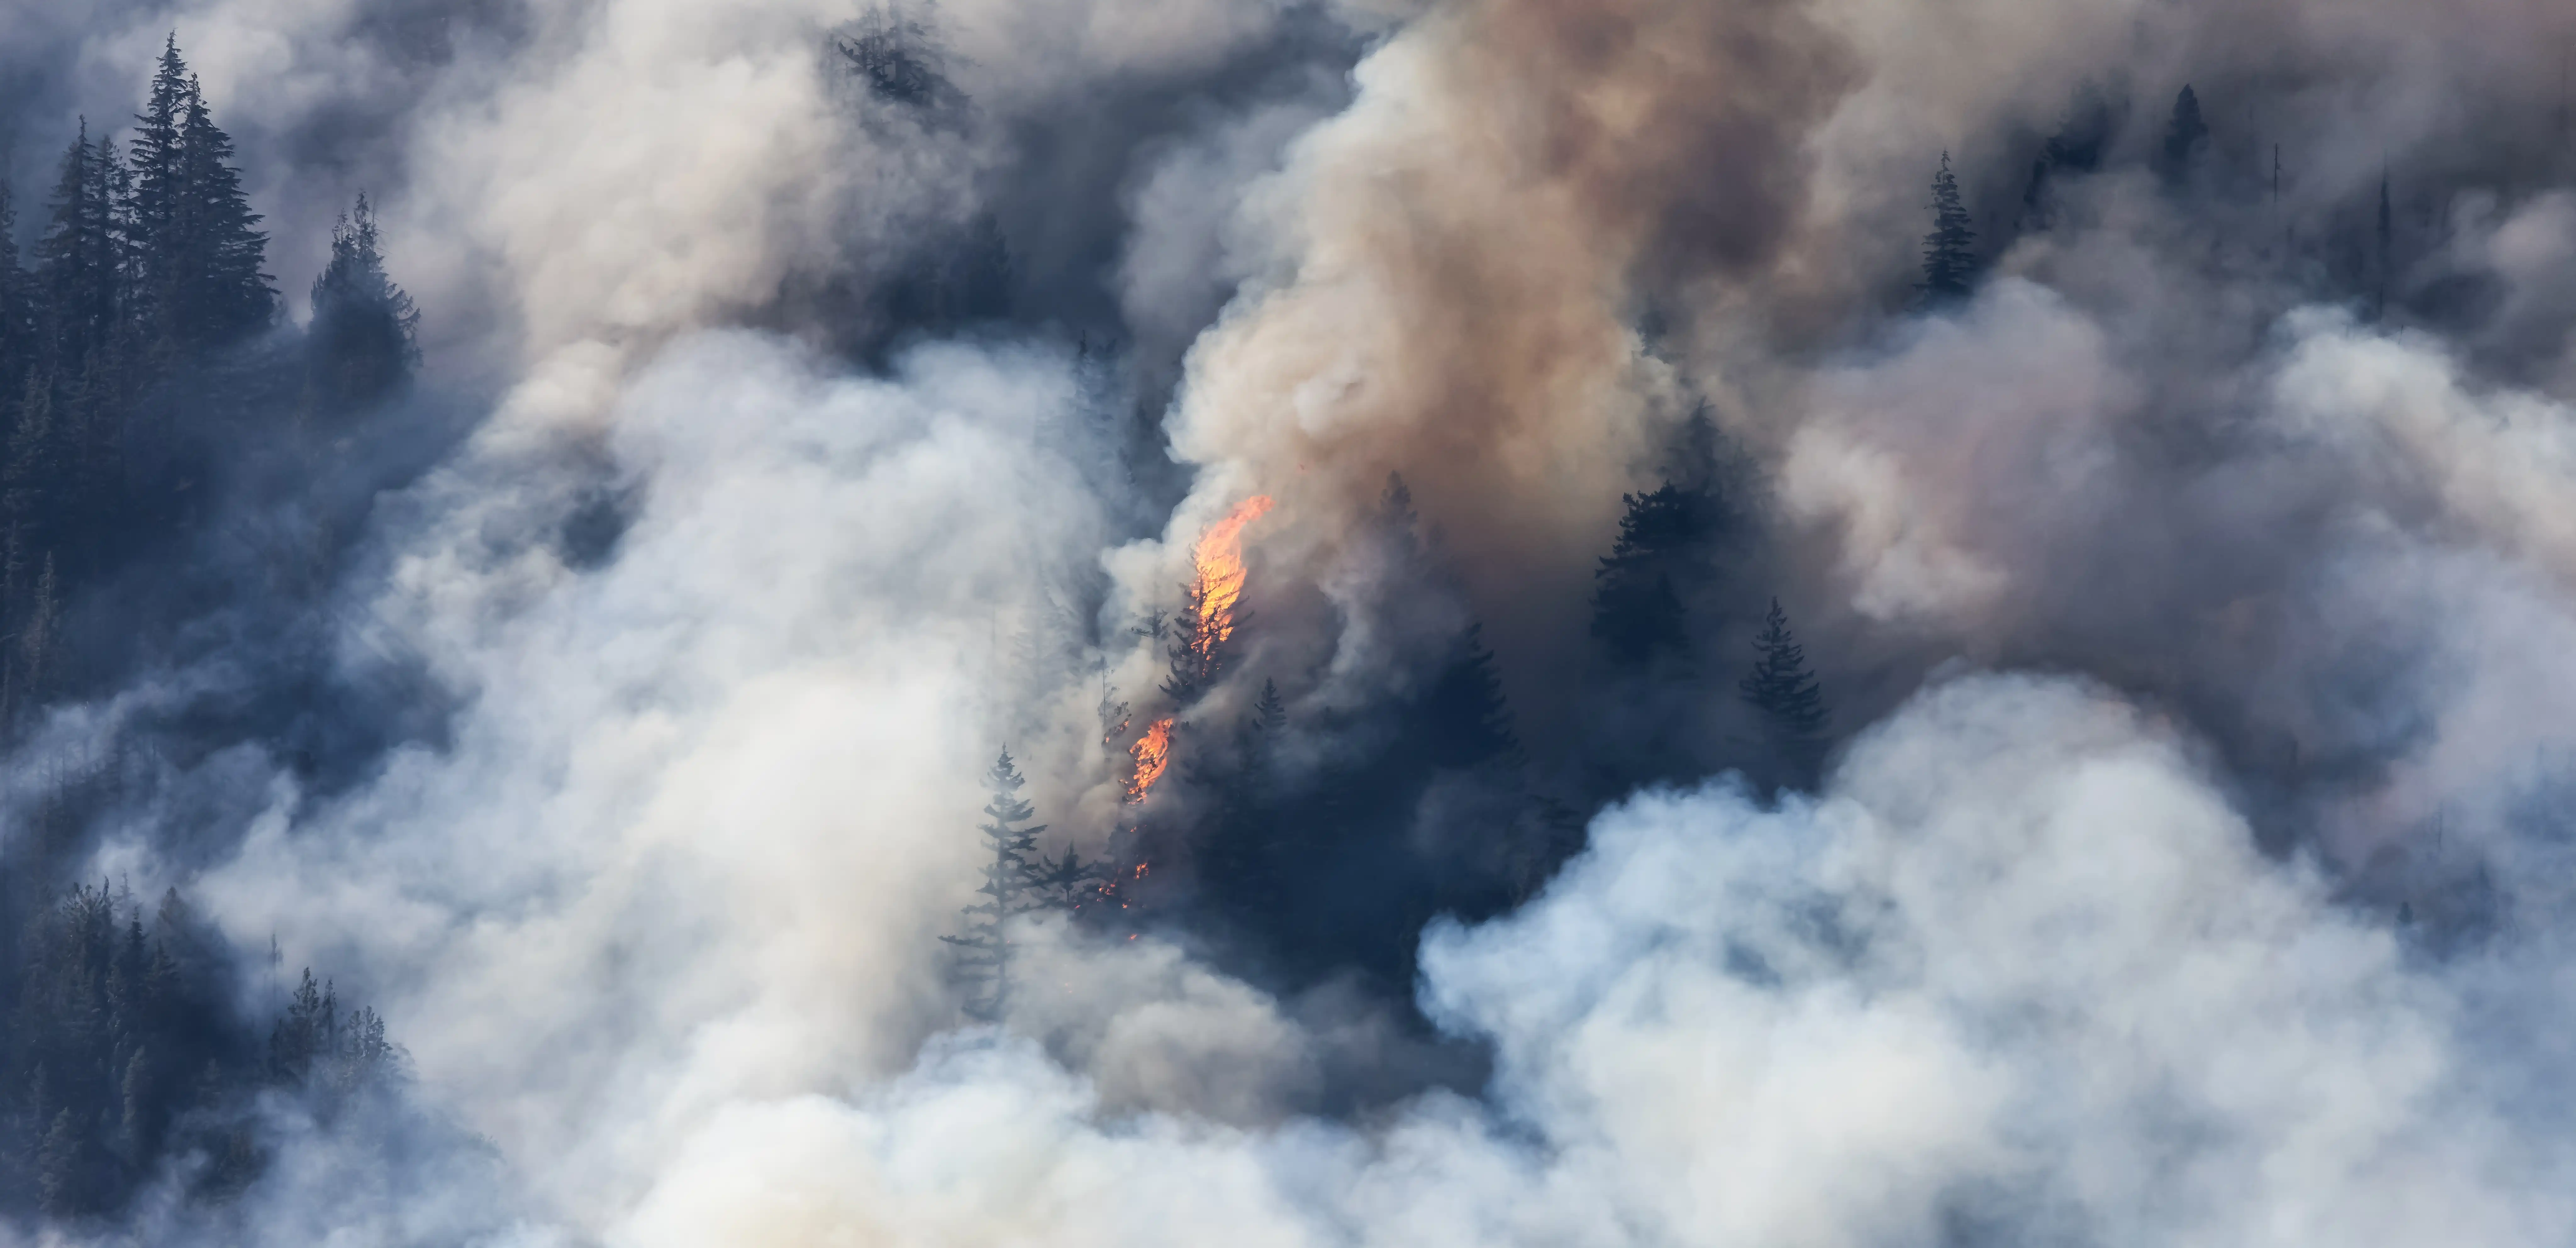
361, 346
1637, 611
160, 209
77, 267
1791, 702
1463, 716
1013, 884
2186, 138
1240, 862
18, 310
1949, 251
219, 293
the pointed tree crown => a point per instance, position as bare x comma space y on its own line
1780, 686
2186, 136
1949, 251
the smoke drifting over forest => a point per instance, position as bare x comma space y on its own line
1631, 622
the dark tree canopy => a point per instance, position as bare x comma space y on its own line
123, 1053
362, 346
1789, 699
1637, 611
1950, 250
1464, 717
2186, 138
136, 363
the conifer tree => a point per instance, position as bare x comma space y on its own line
1949, 251
306, 1033
77, 262
18, 309
219, 292
1012, 883
1240, 861
160, 211
2186, 138
1791, 702
362, 345
1194, 658
1637, 613
1464, 716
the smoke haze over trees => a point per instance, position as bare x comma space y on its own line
1478, 622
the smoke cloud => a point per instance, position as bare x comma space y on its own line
2195, 600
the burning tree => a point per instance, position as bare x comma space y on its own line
1016, 881
1196, 641
1207, 618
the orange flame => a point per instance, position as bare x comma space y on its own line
1152, 752
1218, 562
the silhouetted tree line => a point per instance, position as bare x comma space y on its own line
142, 345
126, 1065
2230, 190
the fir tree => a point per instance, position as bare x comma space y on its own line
160, 210
1637, 613
219, 292
18, 309
307, 1033
1012, 886
1464, 717
1949, 251
1194, 655
1791, 703
2186, 139
1240, 863
362, 340
77, 264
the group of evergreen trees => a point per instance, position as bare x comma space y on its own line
2352, 253
149, 386
124, 1063
1331, 867
140, 347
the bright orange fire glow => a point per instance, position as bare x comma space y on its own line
1152, 752
1218, 564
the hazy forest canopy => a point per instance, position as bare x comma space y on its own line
1622, 622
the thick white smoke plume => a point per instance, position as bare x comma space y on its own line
2236, 923
2022, 975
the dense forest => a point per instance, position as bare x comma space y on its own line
145, 375
1301, 781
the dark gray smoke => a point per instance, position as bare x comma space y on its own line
817, 398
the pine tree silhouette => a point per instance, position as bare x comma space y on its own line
1949, 251
2186, 138
1637, 612
1792, 703
1013, 880
362, 345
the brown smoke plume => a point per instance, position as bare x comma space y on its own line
1455, 300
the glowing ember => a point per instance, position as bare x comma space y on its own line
1152, 752
1218, 581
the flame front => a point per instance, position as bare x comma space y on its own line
1152, 752
1218, 583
